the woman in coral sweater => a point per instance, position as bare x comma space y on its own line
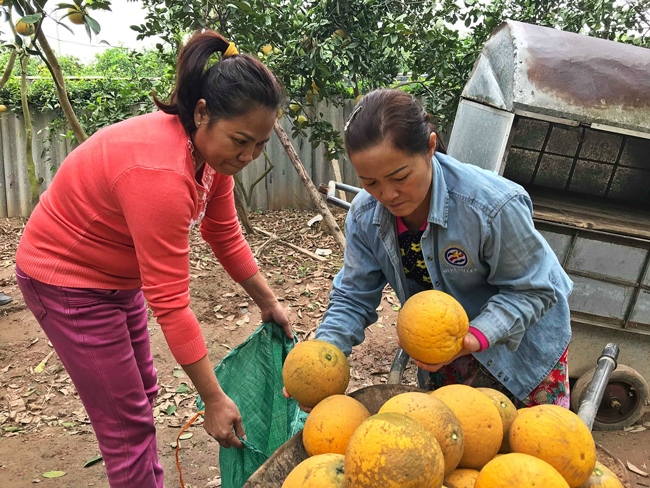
113, 231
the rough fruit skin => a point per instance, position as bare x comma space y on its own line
519, 471
462, 478
437, 418
391, 450
314, 370
324, 471
602, 477
480, 421
25, 29
557, 436
331, 424
76, 16
508, 413
431, 326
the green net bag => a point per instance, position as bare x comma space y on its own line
251, 375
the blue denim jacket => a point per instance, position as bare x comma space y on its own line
480, 246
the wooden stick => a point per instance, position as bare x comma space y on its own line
288, 244
339, 178
261, 248
321, 206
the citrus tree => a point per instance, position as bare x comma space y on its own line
26, 39
325, 51
322, 51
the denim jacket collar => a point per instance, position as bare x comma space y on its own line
438, 208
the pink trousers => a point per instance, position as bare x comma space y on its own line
101, 337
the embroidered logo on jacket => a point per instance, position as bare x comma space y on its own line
455, 256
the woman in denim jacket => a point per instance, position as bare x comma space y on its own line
427, 221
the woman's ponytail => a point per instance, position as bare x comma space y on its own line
230, 87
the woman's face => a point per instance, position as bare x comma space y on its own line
228, 145
398, 180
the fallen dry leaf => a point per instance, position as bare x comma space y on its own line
636, 470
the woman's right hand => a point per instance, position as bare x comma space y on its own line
223, 422
286, 395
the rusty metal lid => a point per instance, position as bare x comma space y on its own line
551, 72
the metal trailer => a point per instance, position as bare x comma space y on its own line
568, 117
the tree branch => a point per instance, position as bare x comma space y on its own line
34, 183
53, 66
269, 168
309, 185
8, 69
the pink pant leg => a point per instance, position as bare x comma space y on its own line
101, 337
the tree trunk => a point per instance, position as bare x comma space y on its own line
34, 183
8, 69
59, 83
242, 211
311, 189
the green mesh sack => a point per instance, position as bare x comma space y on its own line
251, 375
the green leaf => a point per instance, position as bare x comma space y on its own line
19, 9
92, 461
93, 24
170, 410
63, 25
186, 435
13, 429
68, 424
182, 388
53, 474
178, 373
31, 19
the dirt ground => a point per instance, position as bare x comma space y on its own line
44, 426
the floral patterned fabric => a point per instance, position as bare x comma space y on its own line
466, 370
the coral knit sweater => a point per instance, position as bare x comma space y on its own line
118, 216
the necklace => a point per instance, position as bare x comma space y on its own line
191, 146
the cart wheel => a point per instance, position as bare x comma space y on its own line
623, 401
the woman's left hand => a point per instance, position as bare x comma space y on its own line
278, 314
272, 311
470, 345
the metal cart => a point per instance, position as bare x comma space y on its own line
568, 117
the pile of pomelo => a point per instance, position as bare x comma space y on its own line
456, 436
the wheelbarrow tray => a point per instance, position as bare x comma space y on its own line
277, 467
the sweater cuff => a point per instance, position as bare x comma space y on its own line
190, 352
242, 271
481, 339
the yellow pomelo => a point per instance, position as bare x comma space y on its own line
331, 424
431, 326
314, 370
